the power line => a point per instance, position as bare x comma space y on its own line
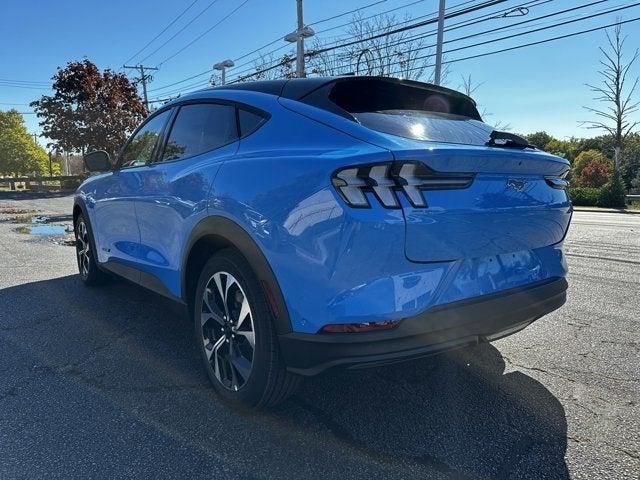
211, 4
328, 19
339, 26
25, 82
490, 31
207, 71
26, 87
528, 32
380, 35
204, 33
163, 30
475, 21
414, 25
279, 39
410, 27
484, 42
530, 44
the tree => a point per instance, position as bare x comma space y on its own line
469, 88
89, 109
630, 155
380, 51
540, 139
585, 158
615, 118
594, 174
267, 67
19, 153
396, 54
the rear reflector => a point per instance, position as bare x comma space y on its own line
360, 327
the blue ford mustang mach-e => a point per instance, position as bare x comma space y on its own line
314, 223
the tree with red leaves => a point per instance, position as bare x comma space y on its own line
595, 174
89, 109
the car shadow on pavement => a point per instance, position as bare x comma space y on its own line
455, 415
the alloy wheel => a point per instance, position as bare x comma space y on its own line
83, 248
227, 330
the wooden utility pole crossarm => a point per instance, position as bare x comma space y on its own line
144, 78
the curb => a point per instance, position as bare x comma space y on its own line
606, 210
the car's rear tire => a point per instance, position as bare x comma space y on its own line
88, 268
236, 336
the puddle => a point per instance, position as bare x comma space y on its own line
44, 229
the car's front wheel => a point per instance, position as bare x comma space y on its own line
236, 336
89, 271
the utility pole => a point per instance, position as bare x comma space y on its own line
298, 36
438, 73
300, 43
144, 78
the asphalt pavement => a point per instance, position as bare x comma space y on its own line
107, 383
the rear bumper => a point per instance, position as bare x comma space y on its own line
437, 329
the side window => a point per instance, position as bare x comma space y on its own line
140, 148
249, 121
199, 128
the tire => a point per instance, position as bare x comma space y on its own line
235, 335
90, 273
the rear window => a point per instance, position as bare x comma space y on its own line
428, 126
411, 110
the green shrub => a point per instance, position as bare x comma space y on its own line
585, 196
613, 194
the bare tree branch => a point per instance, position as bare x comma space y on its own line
614, 92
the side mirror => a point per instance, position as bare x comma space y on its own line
97, 161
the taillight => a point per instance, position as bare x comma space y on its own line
560, 181
385, 180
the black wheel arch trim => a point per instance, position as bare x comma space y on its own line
236, 236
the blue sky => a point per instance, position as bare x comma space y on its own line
531, 89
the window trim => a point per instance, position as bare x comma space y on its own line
160, 111
157, 159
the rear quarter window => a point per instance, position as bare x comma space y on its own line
250, 121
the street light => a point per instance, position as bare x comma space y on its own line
298, 36
222, 66
305, 32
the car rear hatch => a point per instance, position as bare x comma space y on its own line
482, 192
512, 203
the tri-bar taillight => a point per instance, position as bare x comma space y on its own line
386, 180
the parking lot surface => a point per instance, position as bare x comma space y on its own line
107, 382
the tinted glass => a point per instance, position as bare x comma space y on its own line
140, 149
430, 126
200, 128
249, 121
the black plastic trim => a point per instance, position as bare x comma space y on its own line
484, 318
236, 236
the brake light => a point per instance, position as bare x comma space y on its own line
385, 180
